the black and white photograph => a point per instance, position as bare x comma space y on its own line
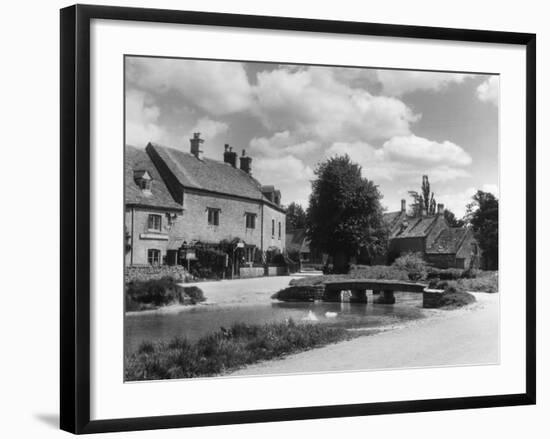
286, 219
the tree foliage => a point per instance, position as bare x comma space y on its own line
345, 215
452, 220
295, 217
482, 215
423, 200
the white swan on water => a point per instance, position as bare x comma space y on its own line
311, 317
330, 314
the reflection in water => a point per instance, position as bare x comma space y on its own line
204, 319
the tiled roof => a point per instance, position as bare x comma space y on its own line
448, 241
412, 227
137, 160
210, 175
392, 218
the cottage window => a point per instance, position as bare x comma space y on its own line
153, 256
155, 222
213, 216
250, 220
279, 230
273, 228
145, 185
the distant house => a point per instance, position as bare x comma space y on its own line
175, 199
439, 244
297, 243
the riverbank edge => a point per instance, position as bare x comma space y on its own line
438, 321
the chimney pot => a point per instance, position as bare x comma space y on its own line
246, 163
229, 156
195, 145
403, 205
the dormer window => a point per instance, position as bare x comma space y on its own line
144, 180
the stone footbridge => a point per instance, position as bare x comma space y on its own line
382, 288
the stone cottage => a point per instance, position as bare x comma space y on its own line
176, 199
439, 244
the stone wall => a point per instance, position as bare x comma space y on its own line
146, 272
246, 272
277, 271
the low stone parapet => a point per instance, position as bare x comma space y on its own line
431, 298
246, 272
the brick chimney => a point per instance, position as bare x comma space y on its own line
440, 208
246, 163
195, 145
229, 156
403, 205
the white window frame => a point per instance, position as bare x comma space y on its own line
153, 229
150, 260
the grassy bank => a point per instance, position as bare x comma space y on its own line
226, 350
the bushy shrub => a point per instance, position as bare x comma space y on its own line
307, 293
444, 273
454, 295
378, 272
413, 264
486, 282
194, 294
210, 263
153, 293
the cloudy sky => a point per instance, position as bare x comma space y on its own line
397, 124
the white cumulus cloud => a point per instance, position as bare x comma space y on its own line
400, 82
288, 174
421, 150
488, 90
216, 87
406, 158
312, 103
282, 143
142, 119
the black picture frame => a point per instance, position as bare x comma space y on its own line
75, 217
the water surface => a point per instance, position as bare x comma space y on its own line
197, 321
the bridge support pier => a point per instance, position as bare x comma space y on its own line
386, 298
332, 295
358, 296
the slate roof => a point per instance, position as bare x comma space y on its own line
448, 241
391, 218
137, 160
403, 226
210, 175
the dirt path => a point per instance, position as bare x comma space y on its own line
461, 337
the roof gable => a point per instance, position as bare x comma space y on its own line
158, 196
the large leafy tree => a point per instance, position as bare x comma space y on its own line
344, 217
482, 214
451, 218
295, 217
